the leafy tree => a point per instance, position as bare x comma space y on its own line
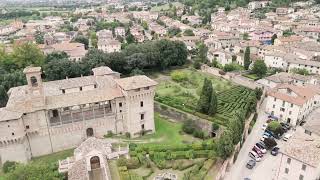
270, 143
173, 31
196, 64
247, 60
246, 36
39, 37
259, 68
34, 171
224, 146
189, 126
130, 38
145, 25
205, 97
188, 32
56, 56
82, 39
231, 67
258, 92
301, 71
273, 38
27, 54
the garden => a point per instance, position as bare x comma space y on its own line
168, 150
182, 91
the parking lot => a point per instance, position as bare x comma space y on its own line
266, 169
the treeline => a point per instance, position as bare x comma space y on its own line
18, 13
134, 59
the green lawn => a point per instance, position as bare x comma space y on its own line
53, 158
167, 132
251, 76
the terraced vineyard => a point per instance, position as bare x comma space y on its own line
234, 99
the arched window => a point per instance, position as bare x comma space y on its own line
89, 132
95, 162
34, 81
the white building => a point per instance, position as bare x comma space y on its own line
292, 103
120, 31
109, 45
46, 117
299, 158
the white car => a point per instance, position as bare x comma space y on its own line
262, 150
287, 137
254, 156
264, 126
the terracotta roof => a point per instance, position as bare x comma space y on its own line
301, 95
135, 82
303, 147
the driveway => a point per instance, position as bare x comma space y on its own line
239, 171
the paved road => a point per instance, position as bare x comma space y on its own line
239, 171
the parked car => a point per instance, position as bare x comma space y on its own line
262, 149
261, 145
254, 156
285, 125
257, 150
287, 137
275, 151
250, 164
264, 126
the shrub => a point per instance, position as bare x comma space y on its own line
198, 134
9, 166
215, 127
109, 134
179, 76
189, 126
128, 135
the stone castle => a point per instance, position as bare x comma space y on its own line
45, 117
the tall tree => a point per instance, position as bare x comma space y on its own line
274, 37
202, 53
82, 39
224, 146
213, 103
205, 97
259, 68
247, 60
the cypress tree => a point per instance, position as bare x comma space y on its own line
205, 97
213, 103
247, 61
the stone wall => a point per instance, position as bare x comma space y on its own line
181, 116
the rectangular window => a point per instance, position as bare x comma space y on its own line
286, 170
120, 104
142, 116
80, 88
304, 167
141, 103
301, 177
63, 91
95, 86
290, 112
27, 126
291, 105
289, 160
275, 99
283, 103
274, 106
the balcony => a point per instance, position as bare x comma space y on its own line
82, 114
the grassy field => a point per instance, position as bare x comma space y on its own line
52, 158
167, 132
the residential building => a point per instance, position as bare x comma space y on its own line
300, 157
292, 103
109, 45
46, 117
120, 31
75, 51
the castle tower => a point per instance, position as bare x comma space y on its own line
35, 86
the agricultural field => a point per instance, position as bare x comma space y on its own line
181, 90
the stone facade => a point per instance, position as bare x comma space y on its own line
45, 117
